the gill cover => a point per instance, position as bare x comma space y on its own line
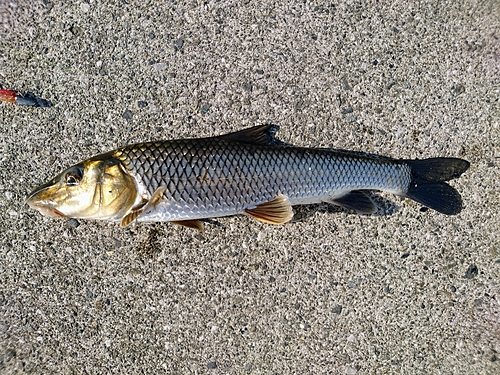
98, 188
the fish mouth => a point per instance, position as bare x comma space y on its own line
47, 211
36, 201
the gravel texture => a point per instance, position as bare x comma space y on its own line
405, 291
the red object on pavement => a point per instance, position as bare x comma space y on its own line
8, 96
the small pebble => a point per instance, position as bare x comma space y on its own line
389, 86
127, 114
471, 272
159, 66
205, 108
345, 84
337, 309
142, 104
459, 89
212, 365
76, 30
179, 43
347, 110
73, 223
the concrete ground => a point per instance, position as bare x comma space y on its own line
404, 291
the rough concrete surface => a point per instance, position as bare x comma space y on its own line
404, 291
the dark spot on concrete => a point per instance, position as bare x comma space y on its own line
471, 272
389, 86
345, 84
73, 223
10, 353
459, 89
178, 44
75, 30
127, 114
205, 108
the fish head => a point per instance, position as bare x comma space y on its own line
98, 188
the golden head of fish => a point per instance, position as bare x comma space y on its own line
98, 188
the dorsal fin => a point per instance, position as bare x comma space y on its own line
277, 211
262, 135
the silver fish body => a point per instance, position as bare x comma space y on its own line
248, 172
213, 177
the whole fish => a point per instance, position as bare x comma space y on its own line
248, 172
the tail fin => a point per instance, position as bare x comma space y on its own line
428, 185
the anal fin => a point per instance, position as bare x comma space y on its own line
277, 211
358, 201
143, 207
193, 224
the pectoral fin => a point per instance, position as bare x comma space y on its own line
358, 201
193, 224
129, 218
144, 207
278, 211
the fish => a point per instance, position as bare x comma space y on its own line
248, 172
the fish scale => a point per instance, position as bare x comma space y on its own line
232, 177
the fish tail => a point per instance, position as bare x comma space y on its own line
428, 183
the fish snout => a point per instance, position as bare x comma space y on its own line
37, 200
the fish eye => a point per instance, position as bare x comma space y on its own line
74, 176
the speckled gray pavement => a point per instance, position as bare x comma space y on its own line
404, 291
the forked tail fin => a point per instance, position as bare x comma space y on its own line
428, 186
